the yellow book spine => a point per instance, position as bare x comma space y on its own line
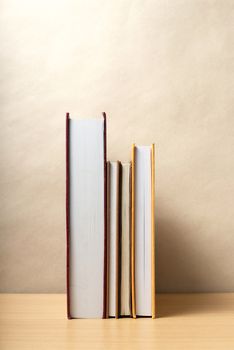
153, 293
133, 235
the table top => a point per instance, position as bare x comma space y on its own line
185, 321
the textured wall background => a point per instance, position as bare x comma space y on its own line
163, 72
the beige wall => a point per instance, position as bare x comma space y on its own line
163, 72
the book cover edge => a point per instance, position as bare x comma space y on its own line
105, 220
67, 215
133, 235
153, 253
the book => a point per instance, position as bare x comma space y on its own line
143, 231
125, 274
86, 217
113, 204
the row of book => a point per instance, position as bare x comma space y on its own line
110, 226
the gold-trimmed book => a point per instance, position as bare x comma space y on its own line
143, 231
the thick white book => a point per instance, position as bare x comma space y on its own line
125, 261
86, 217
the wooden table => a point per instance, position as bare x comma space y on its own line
185, 321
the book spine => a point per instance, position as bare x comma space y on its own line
153, 231
133, 235
105, 223
118, 236
67, 214
130, 238
108, 239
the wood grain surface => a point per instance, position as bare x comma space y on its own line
185, 321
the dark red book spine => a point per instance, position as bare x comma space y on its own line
105, 222
67, 213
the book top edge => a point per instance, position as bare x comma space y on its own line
126, 164
76, 118
143, 146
